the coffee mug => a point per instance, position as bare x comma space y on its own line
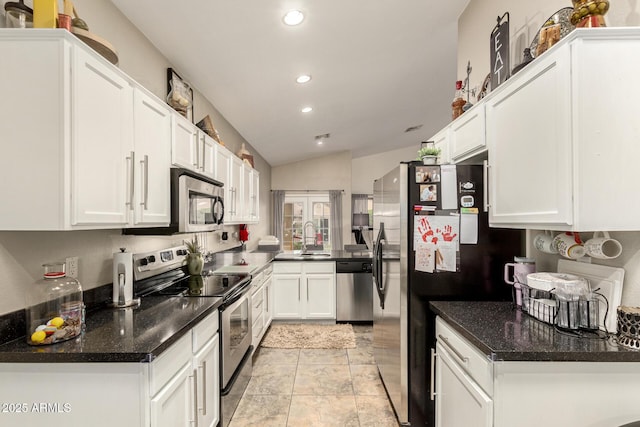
569, 245
602, 246
545, 243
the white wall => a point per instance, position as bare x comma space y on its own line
332, 172
23, 253
365, 169
526, 18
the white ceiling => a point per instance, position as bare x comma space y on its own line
378, 67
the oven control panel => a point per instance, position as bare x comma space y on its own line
149, 264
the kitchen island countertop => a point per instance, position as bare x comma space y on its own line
505, 333
121, 335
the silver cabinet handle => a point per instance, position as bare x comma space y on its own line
131, 159
433, 377
298, 289
459, 355
194, 380
307, 290
144, 164
204, 387
197, 163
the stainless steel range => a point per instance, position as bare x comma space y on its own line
160, 273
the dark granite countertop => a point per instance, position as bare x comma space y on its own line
507, 334
121, 335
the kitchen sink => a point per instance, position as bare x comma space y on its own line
303, 255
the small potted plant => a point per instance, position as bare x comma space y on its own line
195, 260
428, 154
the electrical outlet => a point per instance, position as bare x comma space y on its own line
72, 267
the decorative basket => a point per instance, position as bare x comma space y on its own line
629, 327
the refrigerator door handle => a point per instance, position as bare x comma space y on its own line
377, 265
485, 185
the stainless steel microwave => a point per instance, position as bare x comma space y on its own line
197, 205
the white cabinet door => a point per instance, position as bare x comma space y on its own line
467, 134
205, 362
102, 143
223, 160
320, 298
207, 155
254, 198
529, 134
245, 192
460, 402
184, 143
234, 205
172, 406
441, 141
152, 140
268, 302
286, 297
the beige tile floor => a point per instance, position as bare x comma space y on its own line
316, 388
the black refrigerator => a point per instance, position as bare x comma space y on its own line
432, 242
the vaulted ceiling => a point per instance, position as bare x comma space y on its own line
378, 67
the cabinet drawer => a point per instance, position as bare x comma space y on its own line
257, 326
257, 280
319, 267
475, 363
169, 363
205, 330
256, 303
287, 267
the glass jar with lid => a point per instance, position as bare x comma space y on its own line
55, 309
18, 15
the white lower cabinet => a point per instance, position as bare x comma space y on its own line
461, 402
472, 390
304, 290
180, 388
262, 313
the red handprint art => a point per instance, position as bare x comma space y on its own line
425, 230
446, 233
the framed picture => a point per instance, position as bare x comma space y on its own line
179, 94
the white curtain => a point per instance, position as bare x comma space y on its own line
335, 199
359, 203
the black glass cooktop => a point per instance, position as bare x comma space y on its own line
207, 286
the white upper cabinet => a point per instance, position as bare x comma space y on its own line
184, 144
529, 134
72, 125
101, 142
441, 141
467, 134
563, 137
152, 142
233, 204
254, 197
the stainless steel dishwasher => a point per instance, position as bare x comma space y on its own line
354, 291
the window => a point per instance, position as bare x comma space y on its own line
300, 210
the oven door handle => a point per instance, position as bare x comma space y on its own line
237, 294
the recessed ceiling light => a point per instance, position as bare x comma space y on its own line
307, 110
305, 78
293, 17
320, 142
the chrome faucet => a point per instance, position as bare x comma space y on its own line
304, 235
